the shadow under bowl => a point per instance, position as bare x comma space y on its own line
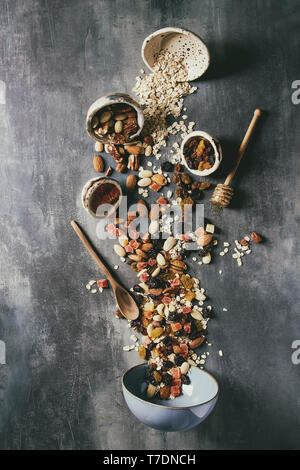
184, 412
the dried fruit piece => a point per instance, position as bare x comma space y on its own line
102, 283
157, 376
142, 352
157, 332
256, 237
165, 392
159, 179
175, 391
204, 239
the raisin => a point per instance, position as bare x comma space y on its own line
151, 346
185, 380
135, 323
167, 379
179, 333
179, 360
173, 316
167, 341
167, 166
167, 365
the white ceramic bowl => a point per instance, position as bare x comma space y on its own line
185, 412
88, 191
107, 100
195, 54
216, 146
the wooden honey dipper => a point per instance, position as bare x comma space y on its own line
223, 193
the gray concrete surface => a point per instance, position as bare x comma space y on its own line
60, 388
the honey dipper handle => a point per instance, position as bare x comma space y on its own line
92, 252
243, 146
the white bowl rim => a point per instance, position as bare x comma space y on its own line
174, 29
166, 406
216, 146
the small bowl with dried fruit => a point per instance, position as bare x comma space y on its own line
115, 118
184, 412
201, 153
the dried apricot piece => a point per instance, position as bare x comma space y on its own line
156, 332
142, 352
157, 376
190, 295
165, 392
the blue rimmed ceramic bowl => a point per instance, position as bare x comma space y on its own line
184, 412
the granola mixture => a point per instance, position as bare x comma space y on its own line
173, 318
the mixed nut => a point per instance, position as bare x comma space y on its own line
116, 122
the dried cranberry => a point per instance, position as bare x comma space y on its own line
185, 380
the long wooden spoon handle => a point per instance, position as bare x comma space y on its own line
92, 252
244, 144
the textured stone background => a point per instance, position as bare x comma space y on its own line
61, 386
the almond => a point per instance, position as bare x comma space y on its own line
134, 149
160, 260
142, 208
147, 246
196, 342
145, 174
141, 253
131, 182
169, 243
98, 163
144, 182
105, 116
154, 212
99, 147
119, 250
136, 258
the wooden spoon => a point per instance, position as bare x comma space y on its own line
125, 301
223, 193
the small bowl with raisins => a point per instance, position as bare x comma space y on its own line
201, 153
115, 118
